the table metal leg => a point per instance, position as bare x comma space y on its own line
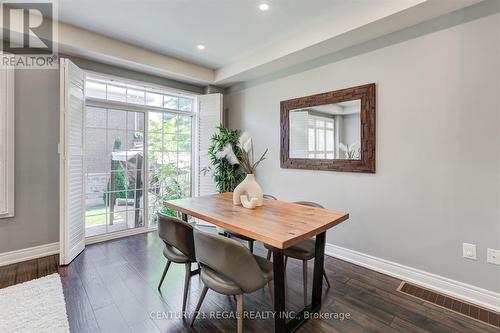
300, 318
279, 291
319, 262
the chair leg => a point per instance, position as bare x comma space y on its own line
198, 306
164, 273
239, 312
268, 254
326, 279
304, 275
271, 290
250, 245
186, 286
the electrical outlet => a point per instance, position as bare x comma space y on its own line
493, 256
469, 251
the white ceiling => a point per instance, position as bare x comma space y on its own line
230, 29
242, 43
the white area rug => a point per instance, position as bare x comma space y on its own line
34, 306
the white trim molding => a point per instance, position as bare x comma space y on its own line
6, 142
118, 234
466, 292
29, 253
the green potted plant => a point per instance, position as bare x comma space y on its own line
227, 175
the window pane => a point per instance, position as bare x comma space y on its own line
320, 123
169, 142
329, 124
184, 142
320, 155
185, 104
135, 218
311, 139
154, 99
329, 156
135, 96
135, 142
320, 140
184, 125
135, 121
117, 119
329, 140
171, 102
169, 123
310, 155
116, 93
155, 121
96, 152
95, 89
95, 117
155, 141
116, 142
184, 161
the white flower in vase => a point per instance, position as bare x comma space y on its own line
248, 187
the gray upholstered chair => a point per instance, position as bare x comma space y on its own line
229, 268
250, 241
179, 247
304, 251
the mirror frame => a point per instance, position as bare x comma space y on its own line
366, 93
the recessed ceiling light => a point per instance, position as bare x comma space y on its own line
200, 47
263, 6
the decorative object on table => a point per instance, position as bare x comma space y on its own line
243, 156
248, 203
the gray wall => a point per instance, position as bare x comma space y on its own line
36, 220
437, 101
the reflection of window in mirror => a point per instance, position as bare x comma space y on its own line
321, 137
330, 131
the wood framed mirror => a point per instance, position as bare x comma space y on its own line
333, 131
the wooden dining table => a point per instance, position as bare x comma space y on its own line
280, 224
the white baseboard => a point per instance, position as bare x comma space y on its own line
29, 253
481, 297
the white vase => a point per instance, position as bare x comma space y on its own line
250, 188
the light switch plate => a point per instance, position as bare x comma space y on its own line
493, 256
469, 251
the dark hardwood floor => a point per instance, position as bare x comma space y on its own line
111, 287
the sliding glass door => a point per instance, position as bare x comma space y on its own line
138, 153
169, 159
114, 166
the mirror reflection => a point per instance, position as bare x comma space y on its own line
331, 131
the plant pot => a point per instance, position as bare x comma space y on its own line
250, 188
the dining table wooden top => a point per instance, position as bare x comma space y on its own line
280, 224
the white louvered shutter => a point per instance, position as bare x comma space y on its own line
71, 148
210, 117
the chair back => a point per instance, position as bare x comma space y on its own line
309, 203
268, 196
230, 258
177, 233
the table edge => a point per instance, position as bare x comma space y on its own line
245, 232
